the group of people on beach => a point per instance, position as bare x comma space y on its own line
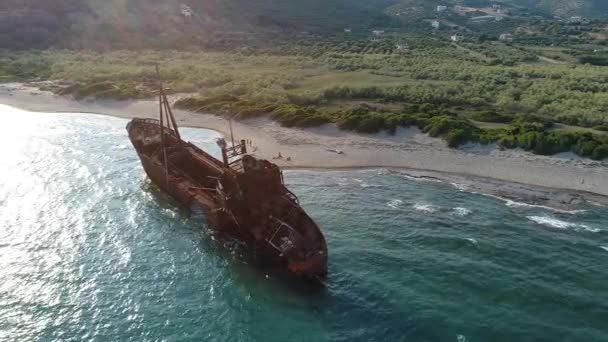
249, 142
280, 156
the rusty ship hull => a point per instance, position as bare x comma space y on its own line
241, 197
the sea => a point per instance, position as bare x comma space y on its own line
91, 250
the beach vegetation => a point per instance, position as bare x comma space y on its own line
356, 85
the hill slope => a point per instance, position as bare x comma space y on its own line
161, 23
137, 23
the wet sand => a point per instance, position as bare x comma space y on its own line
513, 174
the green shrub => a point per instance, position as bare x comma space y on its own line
371, 123
457, 136
600, 152
601, 128
585, 147
312, 121
349, 122
491, 116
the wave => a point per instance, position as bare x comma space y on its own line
395, 203
349, 181
604, 248
460, 187
559, 224
511, 203
471, 240
427, 208
367, 185
597, 204
421, 178
462, 211
514, 204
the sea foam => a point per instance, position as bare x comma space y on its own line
460, 187
514, 204
427, 208
461, 338
462, 211
471, 240
556, 223
421, 178
395, 203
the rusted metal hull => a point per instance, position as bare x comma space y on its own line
250, 205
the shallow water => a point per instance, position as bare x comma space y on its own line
89, 249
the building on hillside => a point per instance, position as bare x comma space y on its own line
186, 11
483, 19
496, 6
377, 33
459, 9
402, 47
505, 37
442, 8
348, 30
456, 38
578, 20
435, 24
502, 11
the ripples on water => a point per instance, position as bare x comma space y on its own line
89, 249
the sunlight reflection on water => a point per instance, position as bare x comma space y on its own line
89, 249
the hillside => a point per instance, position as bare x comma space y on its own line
162, 23
135, 24
591, 8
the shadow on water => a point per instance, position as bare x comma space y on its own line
342, 299
229, 249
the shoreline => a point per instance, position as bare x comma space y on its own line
558, 181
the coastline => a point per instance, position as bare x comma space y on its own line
513, 175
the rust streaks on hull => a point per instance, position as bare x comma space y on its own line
241, 196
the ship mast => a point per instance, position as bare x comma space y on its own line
164, 102
165, 113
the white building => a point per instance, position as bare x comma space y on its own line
377, 33
578, 20
483, 18
348, 30
456, 38
186, 10
442, 8
505, 37
435, 24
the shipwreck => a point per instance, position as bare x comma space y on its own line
241, 197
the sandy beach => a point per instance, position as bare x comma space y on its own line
557, 181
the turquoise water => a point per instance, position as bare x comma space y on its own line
89, 249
